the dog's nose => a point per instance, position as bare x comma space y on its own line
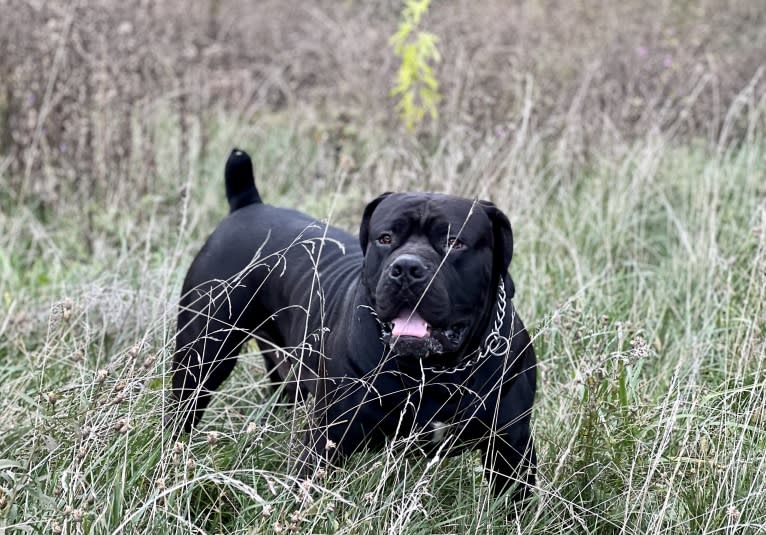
408, 268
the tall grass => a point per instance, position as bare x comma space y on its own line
641, 277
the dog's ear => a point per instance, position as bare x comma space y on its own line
502, 237
364, 228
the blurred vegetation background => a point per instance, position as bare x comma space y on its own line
87, 89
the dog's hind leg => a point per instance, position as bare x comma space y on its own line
212, 326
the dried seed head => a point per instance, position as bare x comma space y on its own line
190, 465
252, 427
639, 348
160, 484
330, 444
51, 397
178, 447
101, 376
304, 489
212, 438
122, 425
66, 309
149, 361
267, 510
77, 515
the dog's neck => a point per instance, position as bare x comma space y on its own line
493, 342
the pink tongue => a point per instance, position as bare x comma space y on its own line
409, 323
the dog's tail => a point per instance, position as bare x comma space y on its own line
240, 180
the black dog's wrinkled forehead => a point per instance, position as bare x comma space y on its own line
437, 212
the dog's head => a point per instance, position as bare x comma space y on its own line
432, 264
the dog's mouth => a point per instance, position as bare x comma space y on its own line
410, 334
410, 323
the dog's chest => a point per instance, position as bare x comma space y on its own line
435, 411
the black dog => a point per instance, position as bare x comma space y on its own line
411, 334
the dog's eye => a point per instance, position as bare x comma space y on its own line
384, 239
454, 243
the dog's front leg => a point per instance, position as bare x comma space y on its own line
319, 449
336, 429
322, 447
510, 462
315, 455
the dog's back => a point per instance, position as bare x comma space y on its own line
233, 289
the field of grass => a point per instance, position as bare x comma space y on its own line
638, 204
641, 276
